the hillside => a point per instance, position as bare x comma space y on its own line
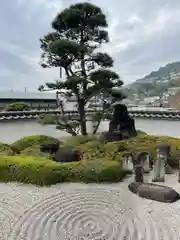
157, 82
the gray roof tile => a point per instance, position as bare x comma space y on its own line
27, 95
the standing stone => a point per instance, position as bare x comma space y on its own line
128, 160
138, 173
164, 148
159, 167
143, 159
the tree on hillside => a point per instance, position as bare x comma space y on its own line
78, 33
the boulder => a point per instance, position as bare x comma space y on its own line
154, 192
121, 126
50, 146
67, 155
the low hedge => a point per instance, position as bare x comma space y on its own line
39, 171
17, 106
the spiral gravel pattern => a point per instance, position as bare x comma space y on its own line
79, 212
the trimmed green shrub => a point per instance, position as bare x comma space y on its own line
47, 118
29, 141
17, 106
4, 148
40, 172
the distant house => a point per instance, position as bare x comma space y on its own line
35, 100
174, 101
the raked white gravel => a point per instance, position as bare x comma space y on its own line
77, 211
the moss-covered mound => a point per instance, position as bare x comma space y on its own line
101, 161
91, 147
41, 171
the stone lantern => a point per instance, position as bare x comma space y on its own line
128, 161
143, 160
162, 153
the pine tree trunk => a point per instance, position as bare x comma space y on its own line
82, 114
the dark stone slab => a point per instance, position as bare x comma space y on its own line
154, 192
50, 146
67, 155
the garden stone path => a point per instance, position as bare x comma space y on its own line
77, 211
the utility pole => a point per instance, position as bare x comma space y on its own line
60, 71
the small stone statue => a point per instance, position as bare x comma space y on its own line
128, 161
143, 159
138, 173
159, 165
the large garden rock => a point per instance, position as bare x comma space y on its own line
121, 126
67, 155
154, 192
49, 146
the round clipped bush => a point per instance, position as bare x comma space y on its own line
47, 118
4, 148
49, 146
29, 141
17, 106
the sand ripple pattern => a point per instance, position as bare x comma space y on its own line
96, 214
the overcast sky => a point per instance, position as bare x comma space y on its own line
144, 36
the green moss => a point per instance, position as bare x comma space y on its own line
29, 141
